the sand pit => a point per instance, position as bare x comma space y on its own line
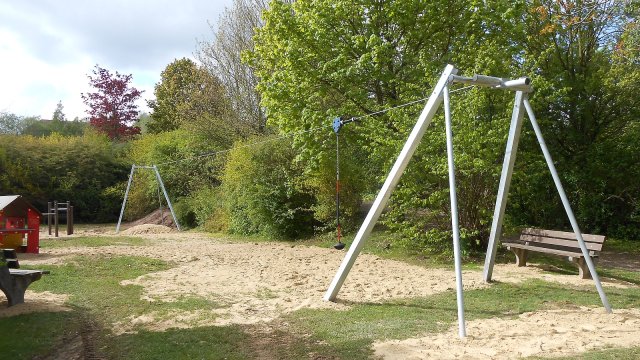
251, 283
548, 333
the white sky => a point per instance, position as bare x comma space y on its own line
48, 47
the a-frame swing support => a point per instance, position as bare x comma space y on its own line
441, 93
160, 182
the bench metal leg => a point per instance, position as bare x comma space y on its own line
521, 256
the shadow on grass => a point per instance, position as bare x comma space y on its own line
210, 342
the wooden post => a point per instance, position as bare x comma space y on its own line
49, 216
69, 219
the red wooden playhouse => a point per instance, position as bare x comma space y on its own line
19, 219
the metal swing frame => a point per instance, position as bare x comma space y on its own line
439, 95
164, 191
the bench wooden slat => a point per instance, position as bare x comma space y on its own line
564, 235
560, 242
546, 250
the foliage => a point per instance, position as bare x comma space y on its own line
58, 114
11, 123
112, 106
222, 56
79, 169
264, 192
38, 127
184, 171
182, 86
208, 209
321, 181
587, 105
318, 59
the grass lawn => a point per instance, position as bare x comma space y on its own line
98, 300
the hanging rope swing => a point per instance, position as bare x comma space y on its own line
337, 125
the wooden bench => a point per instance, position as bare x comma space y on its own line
557, 243
13, 280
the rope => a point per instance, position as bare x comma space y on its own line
280, 137
339, 228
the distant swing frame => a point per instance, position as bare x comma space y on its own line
164, 191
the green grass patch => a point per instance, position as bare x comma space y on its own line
92, 241
623, 246
25, 336
208, 342
93, 284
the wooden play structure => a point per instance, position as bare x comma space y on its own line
19, 225
53, 213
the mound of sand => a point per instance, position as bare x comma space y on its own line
546, 333
147, 229
157, 217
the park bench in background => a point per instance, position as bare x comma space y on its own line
557, 243
13, 280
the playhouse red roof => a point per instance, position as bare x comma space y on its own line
15, 205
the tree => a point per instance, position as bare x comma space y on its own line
189, 97
58, 114
586, 98
223, 57
11, 123
319, 59
112, 108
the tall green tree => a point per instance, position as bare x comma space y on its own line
319, 59
586, 100
11, 123
58, 113
190, 97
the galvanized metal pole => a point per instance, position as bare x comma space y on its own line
454, 215
126, 194
55, 216
392, 180
175, 219
505, 182
567, 205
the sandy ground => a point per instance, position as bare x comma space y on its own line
548, 333
259, 282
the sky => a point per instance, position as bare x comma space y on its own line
48, 47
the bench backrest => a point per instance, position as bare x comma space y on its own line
561, 240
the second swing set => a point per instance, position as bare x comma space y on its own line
440, 94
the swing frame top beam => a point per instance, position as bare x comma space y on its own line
521, 84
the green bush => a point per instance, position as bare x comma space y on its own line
322, 181
264, 191
56, 167
184, 172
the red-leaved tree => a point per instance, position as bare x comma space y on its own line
112, 108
